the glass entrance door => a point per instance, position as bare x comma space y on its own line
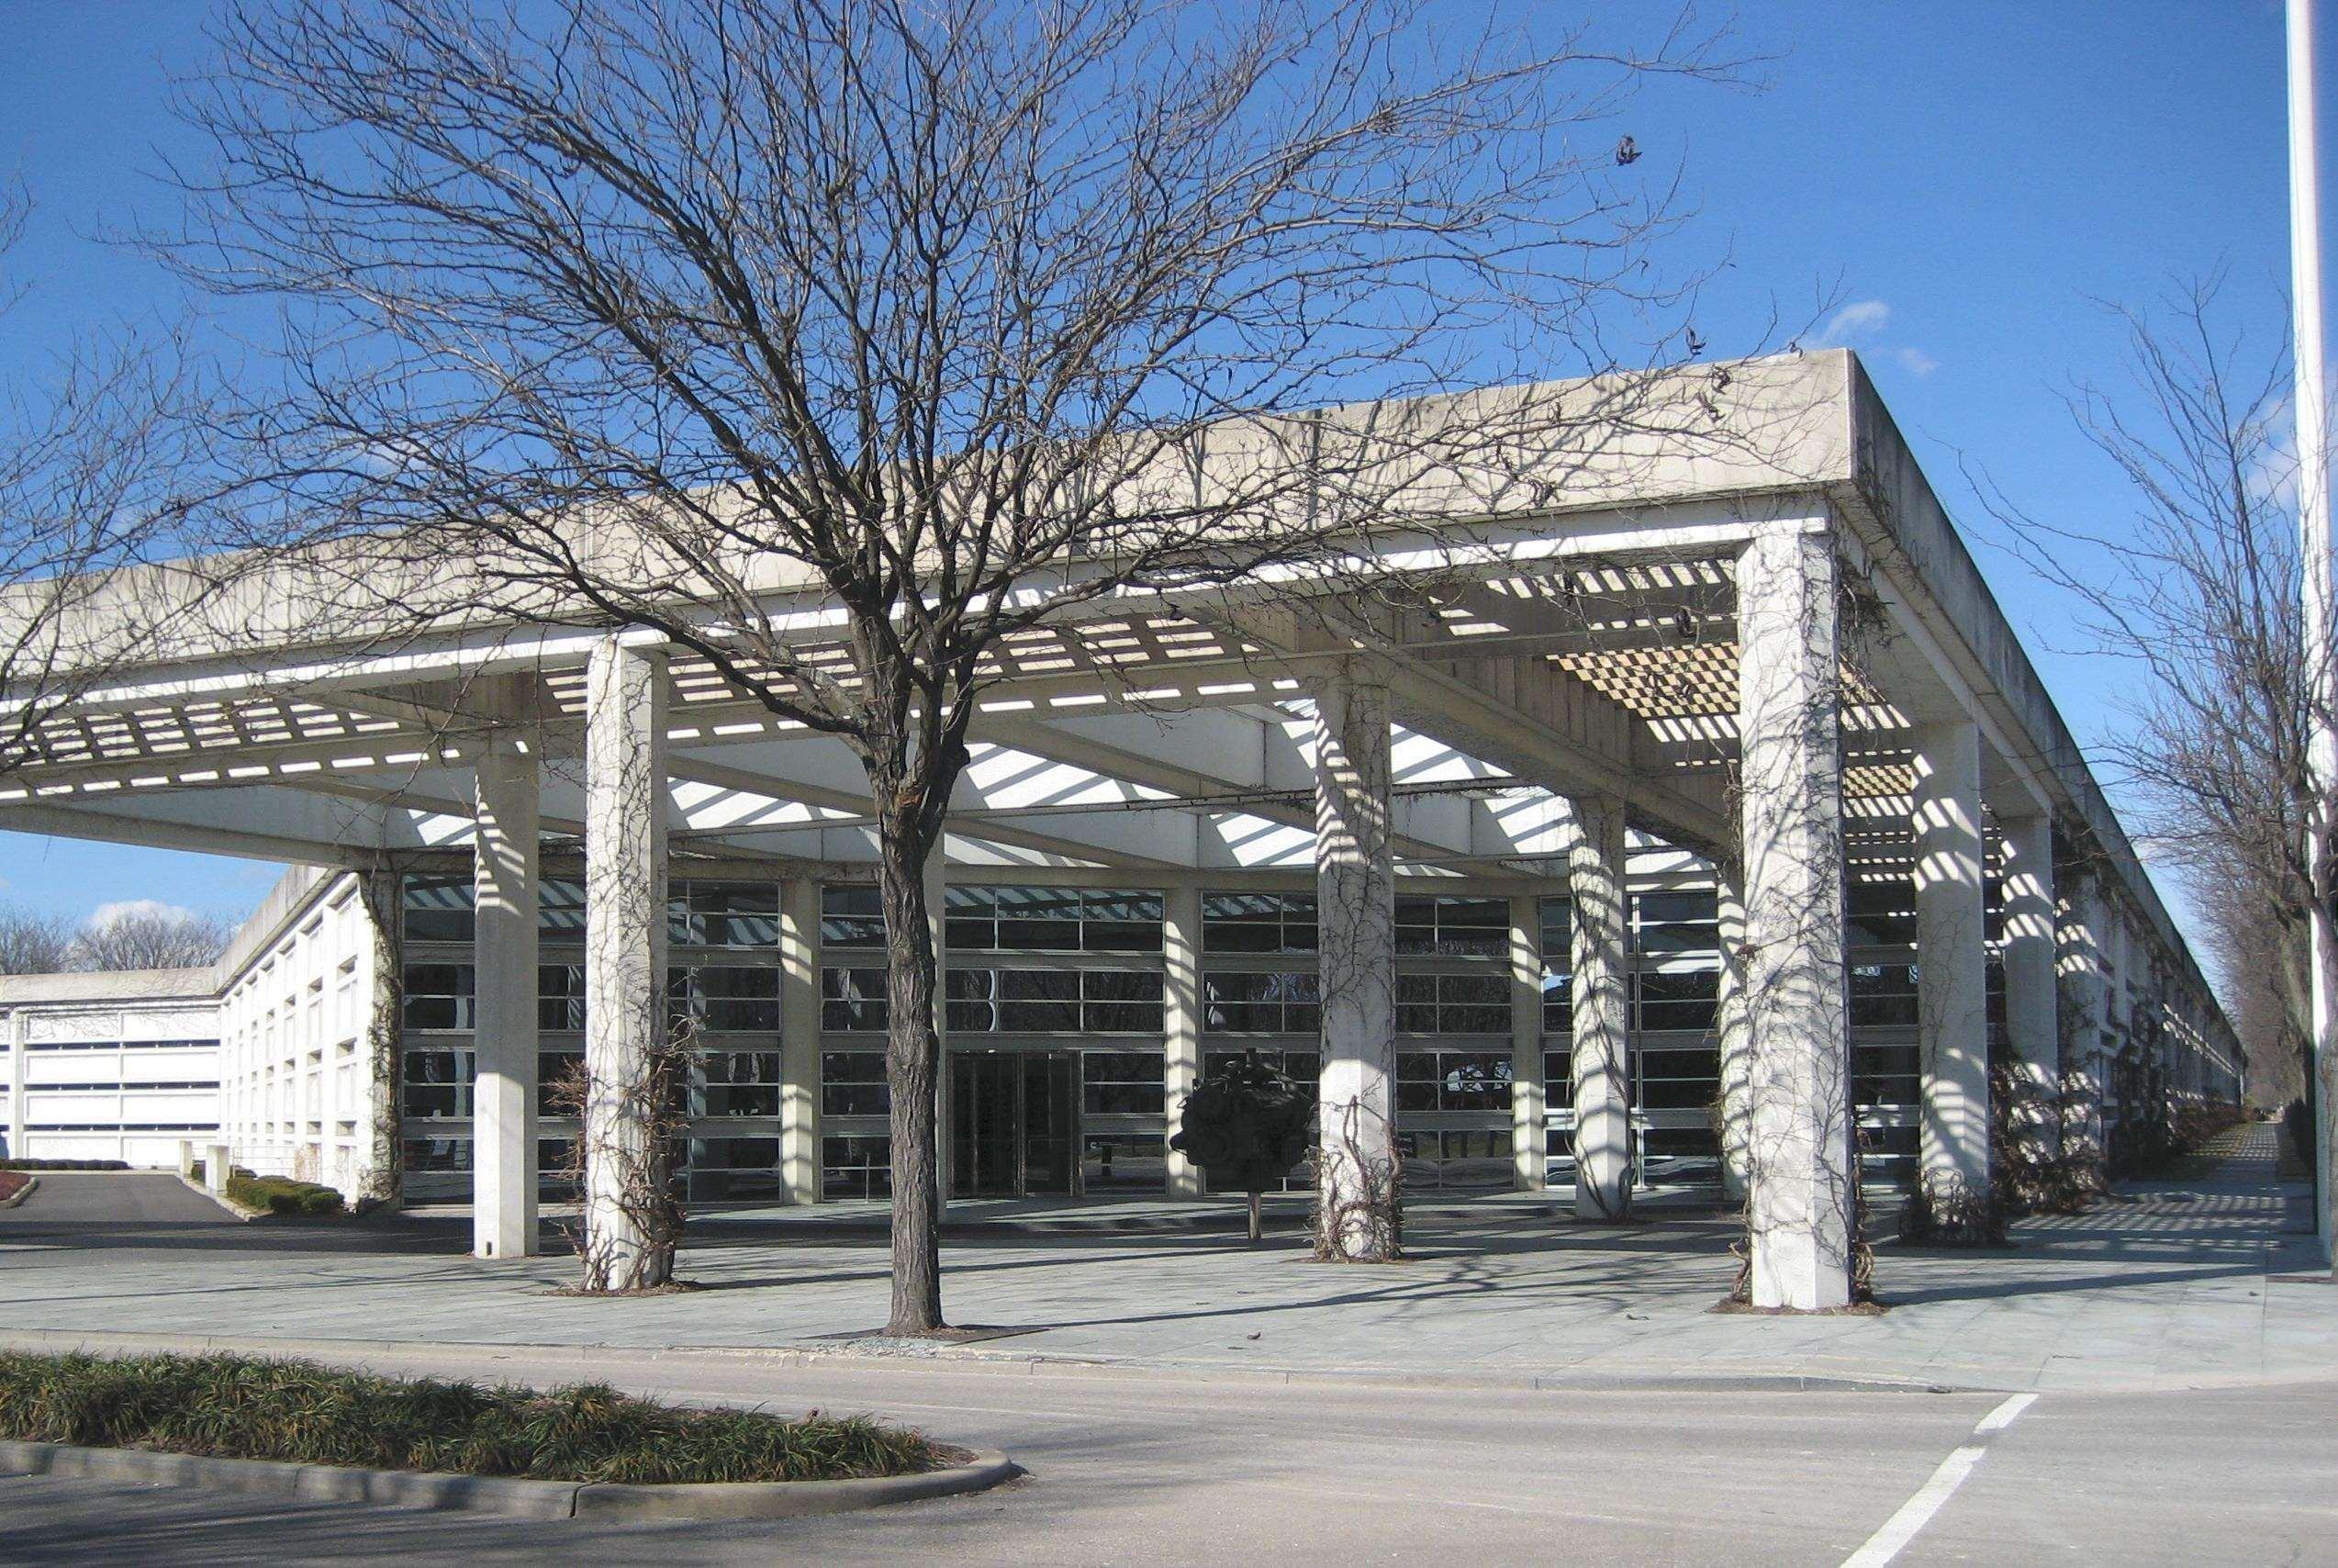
1013, 1123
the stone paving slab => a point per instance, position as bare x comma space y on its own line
2163, 1286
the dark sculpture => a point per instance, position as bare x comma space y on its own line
1246, 1125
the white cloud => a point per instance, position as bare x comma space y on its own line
1860, 325
1859, 319
108, 914
2272, 475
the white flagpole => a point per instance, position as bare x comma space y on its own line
2314, 523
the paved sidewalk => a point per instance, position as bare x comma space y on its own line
2166, 1286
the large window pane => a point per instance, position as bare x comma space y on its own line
852, 1083
438, 909
555, 1071
1123, 1084
1680, 999
734, 1169
1038, 919
560, 908
436, 1084
1259, 922
739, 1083
1274, 1001
1676, 922
1122, 1001
1452, 1081
560, 997
1452, 926
971, 1004
856, 1167
724, 914
1882, 995
852, 915
1038, 1000
1880, 913
1453, 1005
438, 996
726, 999
852, 998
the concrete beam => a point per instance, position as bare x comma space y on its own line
105, 825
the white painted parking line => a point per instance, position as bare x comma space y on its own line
1917, 1512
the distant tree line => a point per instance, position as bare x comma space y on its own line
32, 943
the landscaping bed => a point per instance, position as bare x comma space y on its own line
12, 1182
252, 1408
283, 1195
64, 1165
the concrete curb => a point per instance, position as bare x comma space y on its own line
792, 1500
597, 1358
234, 1210
505, 1494
32, 1185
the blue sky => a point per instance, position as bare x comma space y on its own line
1965, 179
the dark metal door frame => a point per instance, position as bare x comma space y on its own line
988, 1085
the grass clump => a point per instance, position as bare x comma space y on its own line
247, 1407
283, 1195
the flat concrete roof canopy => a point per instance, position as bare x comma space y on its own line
1581, 642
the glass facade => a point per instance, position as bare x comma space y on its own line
1080, 975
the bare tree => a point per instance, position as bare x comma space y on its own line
148, 938
104, 461
2257, 958
32, 944
2199, 591
927, 322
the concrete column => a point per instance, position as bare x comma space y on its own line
625, 944
16, 1149
1731, 1036
799, 1039
1952, 1004
1181, 1022
2118, 1021
1799, 1149
219, 1164
1529, 1164
2032, 1012
2082, 978
503, 1091
1356, 897
1602, 1013
2113, 928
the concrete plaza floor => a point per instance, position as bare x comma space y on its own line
2203, 1285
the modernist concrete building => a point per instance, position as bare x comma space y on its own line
1725, 817
262, 1048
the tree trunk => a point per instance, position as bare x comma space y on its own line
2322, 955
912, 1064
